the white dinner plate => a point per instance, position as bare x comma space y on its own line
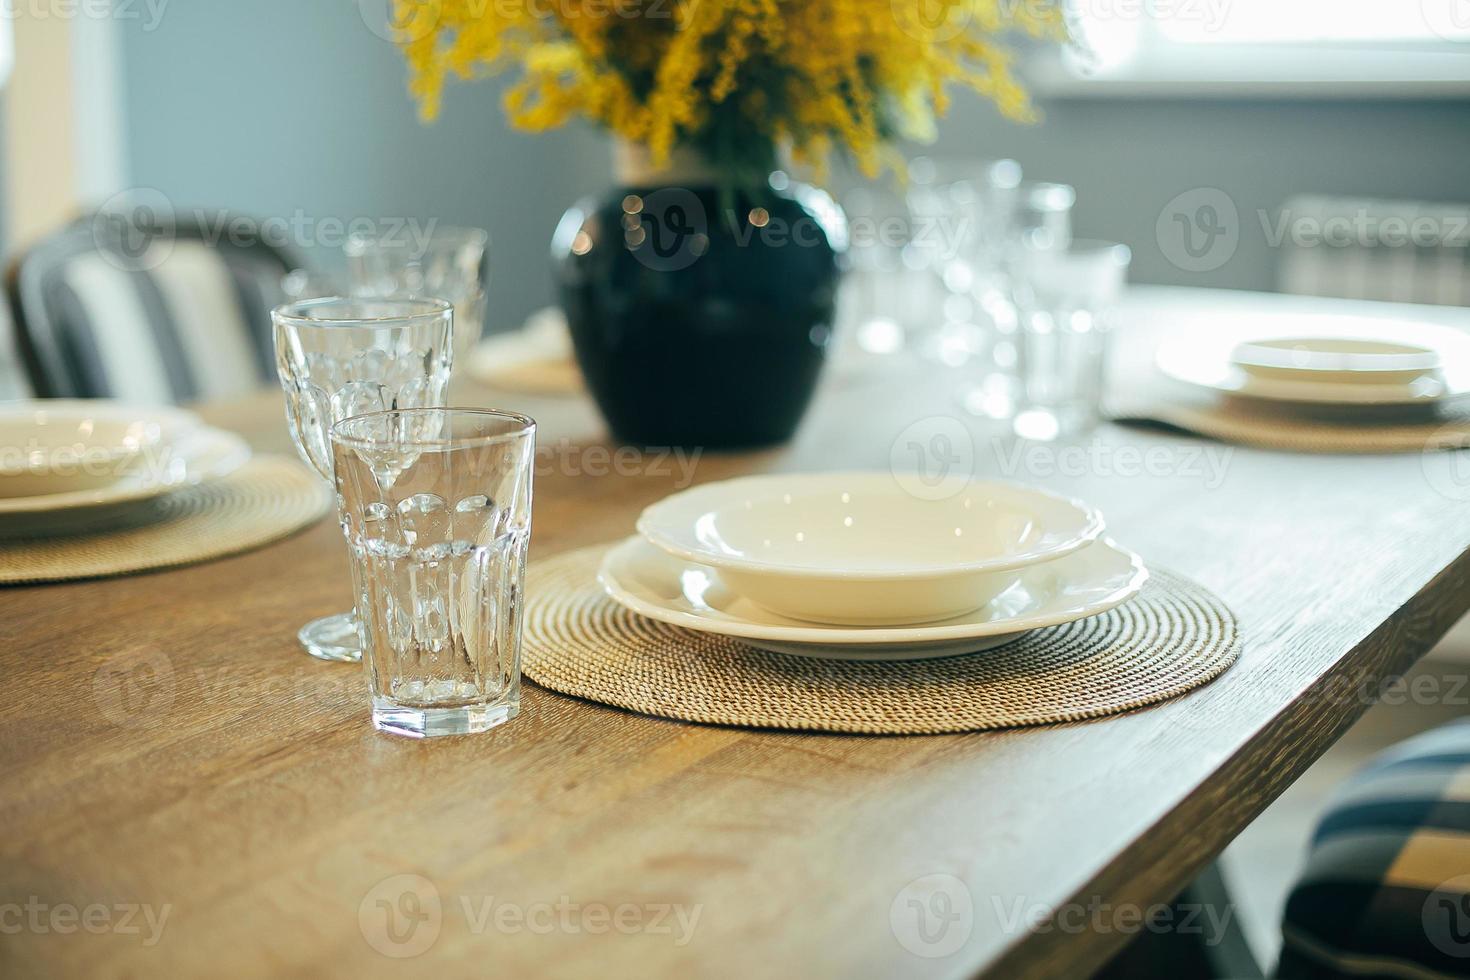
863, 549
193, 456
1206, 359
672, 590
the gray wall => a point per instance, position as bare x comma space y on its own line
271, 106
1129, 158
276, 105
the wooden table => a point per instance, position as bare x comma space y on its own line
170, 748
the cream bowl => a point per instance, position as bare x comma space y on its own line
67, 446
1336, 360
858, 549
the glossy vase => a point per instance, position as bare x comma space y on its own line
700, 311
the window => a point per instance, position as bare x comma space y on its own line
1233, 47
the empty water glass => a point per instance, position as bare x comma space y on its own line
436, 508
447, 263
338, 357
1066, 297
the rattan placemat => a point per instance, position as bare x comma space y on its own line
1175, 635
263, 501
1278, 426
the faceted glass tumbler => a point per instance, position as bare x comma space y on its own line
338, 357
448, 262
436, 508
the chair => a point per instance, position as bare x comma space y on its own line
1400, 251
1386, 890
157, 312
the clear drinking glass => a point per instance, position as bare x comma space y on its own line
448, 263
436, 508
1065, 298
338, 357
962, 208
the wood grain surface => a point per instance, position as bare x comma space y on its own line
170, 752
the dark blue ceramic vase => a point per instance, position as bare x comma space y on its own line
701, 314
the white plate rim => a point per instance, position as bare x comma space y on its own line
1207, 364
224, 452
849, 635
1092, 526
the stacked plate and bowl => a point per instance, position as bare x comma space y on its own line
855, 566
1351, 368
83, 466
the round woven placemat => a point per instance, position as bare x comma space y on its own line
263, 501
1175, 635
1268, 427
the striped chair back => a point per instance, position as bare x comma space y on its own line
1358, 248
164, 316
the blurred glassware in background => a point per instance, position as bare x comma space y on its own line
925, 272
875, 302
300, 284
962, 212
1043, 216
1038, 220
1065, 297
447, 264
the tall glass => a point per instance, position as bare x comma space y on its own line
338, 357
448, 263
1066, 298
961, 208
436, 508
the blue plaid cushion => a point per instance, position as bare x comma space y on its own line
1386, 891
